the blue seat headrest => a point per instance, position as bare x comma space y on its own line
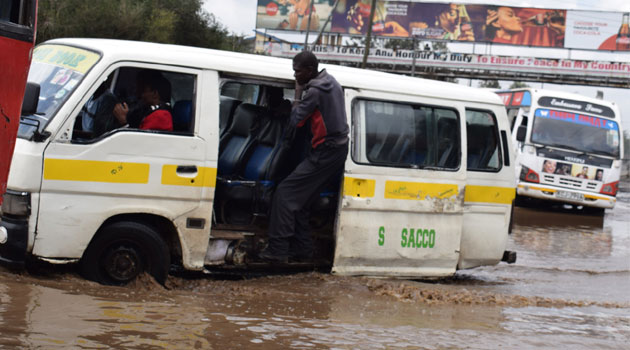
182, 115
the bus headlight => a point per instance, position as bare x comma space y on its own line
610, 188
16, 203
529, 175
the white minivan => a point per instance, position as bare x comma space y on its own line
427, 188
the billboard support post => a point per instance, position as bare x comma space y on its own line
413, 61
368, 38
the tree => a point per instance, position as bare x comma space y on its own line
518, 85
182, 22
494, 84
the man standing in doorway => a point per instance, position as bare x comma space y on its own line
319, 102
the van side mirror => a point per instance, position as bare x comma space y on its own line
520, 133
31, 99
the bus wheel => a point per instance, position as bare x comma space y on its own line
122, 251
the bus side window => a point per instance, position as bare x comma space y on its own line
483, 141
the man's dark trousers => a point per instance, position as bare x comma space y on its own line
289, 233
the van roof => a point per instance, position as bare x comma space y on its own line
273, 67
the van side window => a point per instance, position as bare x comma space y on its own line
97, 116
483, 141
405, 135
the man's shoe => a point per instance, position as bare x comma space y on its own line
268, 257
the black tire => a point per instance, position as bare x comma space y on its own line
123, 250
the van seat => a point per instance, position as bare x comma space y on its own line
238, 139
227, 108
182, 115
268, 152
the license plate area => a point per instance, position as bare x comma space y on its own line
570, 195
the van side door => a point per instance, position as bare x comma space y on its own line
489, 189
402, 204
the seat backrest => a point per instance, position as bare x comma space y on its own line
239, 138
481, 145
262, 162
448, 139
182, 115
227, 108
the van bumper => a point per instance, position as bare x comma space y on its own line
13, 241
551, 193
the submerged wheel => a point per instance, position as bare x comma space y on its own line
123, 250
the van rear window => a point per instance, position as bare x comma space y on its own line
406, 135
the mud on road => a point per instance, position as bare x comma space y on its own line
568, 289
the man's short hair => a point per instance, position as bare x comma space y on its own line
156, 81
306, 59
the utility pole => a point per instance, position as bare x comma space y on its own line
368, 38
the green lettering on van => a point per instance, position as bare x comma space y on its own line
414, 238
403, 242
381, 236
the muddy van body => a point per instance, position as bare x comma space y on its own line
427, 188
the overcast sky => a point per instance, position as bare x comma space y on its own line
239, 16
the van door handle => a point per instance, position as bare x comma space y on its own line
187, 169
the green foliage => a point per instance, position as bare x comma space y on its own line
490, 84
518, 85
182, 22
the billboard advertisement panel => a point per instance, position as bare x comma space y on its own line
598, 31
293, 14
454, 22
457, 22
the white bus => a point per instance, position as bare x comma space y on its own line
427, 187
568, 147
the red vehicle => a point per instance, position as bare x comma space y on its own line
17, 37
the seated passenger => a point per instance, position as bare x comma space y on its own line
154, 109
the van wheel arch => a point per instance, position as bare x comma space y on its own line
128, 245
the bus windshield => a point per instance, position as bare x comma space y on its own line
576, 132
58, 70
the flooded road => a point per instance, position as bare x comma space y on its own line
569, 289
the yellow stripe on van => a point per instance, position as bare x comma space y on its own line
489, 194
96, 171
418, 190
206, 177
354, 187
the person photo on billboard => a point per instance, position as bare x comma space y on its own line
301, 11
525, 26
358, 16
454, 20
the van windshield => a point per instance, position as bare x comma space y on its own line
576, 132
58, 70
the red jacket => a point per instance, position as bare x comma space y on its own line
160, 119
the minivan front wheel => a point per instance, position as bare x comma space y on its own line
122, 251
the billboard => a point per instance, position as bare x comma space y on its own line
523, 26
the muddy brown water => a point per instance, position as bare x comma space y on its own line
570, 289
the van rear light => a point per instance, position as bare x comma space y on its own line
529, 175
610, 188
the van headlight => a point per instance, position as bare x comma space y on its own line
16, 203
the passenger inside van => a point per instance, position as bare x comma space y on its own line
154, 109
